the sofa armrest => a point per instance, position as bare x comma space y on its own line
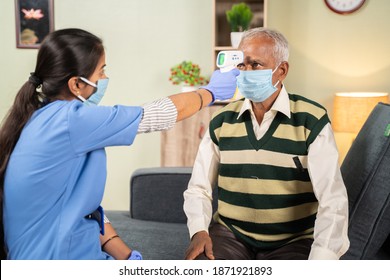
366, 175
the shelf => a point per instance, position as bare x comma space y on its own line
221, 27
224, 48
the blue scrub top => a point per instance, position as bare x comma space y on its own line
56, 176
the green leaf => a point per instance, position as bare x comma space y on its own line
239, 17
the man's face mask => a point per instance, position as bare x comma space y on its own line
256, 85
97, 96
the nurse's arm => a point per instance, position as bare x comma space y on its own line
189, 103
113, 244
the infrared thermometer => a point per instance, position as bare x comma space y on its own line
227, 60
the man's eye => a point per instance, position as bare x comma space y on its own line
241, 66
256, 65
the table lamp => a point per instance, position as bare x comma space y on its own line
350, 111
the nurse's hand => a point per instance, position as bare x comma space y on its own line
222, 85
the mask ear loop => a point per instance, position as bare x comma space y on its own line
274, 72
88, 82
276, 68
80, 97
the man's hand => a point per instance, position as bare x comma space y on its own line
200, 243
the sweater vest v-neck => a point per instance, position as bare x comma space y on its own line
265, 196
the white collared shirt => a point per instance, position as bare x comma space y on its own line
331, 226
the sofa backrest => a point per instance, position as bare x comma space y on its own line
156, 194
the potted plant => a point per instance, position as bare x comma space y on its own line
239, 18
187, 74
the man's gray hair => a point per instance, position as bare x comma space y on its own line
281, 51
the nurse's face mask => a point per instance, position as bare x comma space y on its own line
97, 95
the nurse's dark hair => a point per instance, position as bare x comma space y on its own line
63, 54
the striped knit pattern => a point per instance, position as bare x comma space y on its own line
264, 196
158, 115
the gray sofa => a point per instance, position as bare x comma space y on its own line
156, 223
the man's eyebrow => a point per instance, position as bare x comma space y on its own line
251, 60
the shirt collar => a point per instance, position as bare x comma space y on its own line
281, 104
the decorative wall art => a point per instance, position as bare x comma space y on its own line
34, 20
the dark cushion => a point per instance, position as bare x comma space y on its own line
156, 194
155, 240
366, 173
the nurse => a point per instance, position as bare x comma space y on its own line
52, 156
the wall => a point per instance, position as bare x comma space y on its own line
144, 38
332, 52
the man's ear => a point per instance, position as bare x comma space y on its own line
283, 68
73, 85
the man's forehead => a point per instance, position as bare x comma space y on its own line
257, 45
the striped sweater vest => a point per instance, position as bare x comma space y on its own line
265, 196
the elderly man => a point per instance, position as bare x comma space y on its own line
273, 158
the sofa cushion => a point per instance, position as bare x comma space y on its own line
155, 240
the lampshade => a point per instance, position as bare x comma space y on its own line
351, 109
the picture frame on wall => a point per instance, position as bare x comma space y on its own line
34, 20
